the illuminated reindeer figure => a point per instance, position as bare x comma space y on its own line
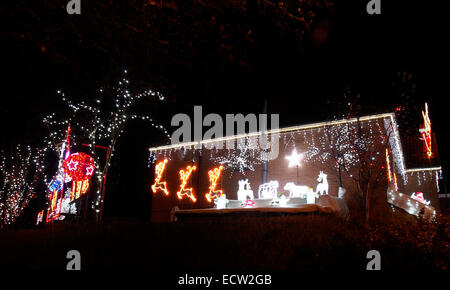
244, 190
214, 175
184, 176
323, 186
159, 169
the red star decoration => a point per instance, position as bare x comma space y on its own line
89, 170
72, 165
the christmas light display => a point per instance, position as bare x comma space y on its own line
244, 191
268, 190
78, 188
426, 131
364, 144
244, 158
419, 198
79, 166
55, 184
295, 158
248, 203
341, 192
39, 217
20, 174
322, 187
158, 184
388, 166
393, 134
341, 143
221, 201
67, 206
53, 203
301, 191
411, 205
184, 177
280, 201
214, 175
101, 123
395, 182
283, 200
54, 209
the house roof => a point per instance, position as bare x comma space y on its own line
396, 138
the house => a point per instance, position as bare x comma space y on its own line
339, 160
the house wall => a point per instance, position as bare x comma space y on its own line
303, 141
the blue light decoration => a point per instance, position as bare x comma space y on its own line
55, 184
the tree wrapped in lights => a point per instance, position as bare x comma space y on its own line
338, 143
244, 157
352, 149
20, 175
102, 122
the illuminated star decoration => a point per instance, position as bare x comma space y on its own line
72, 165
89, 170
295, 158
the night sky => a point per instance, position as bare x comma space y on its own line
43, 49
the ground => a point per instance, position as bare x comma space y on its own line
233, 243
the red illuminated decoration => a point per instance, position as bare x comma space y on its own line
248, 203
39, 217
78, 188
214, 175
53, 205
388, 166
391, 176
395, 182
160, 185
419, 197
184, 177
426, 131
72, 165
64, 177
79, 166
90, 170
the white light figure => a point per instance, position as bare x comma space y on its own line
283, 201
72, 165
295, 158
341, 192
268, 190
323, 186
280, 201
244, 190
221, 202
301, 191
419, 198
